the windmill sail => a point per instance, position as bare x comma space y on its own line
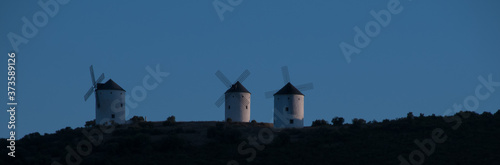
228, 84
94, 84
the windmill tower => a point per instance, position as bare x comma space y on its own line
288, 107
237, 103
109, 100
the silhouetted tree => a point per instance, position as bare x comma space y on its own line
497, 114
410, 116
137, 119
338, 121
319, 123
90, 123
486, 115
358, 122
170, 121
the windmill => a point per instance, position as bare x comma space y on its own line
94, 85
286, 79
228, 84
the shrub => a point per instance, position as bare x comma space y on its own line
229, 120
64, 130
32, 135
254, 122
319, 123
358, 122
146, 124
338, 121
90, 123
486, 115
137, 119
170, 121
410, 116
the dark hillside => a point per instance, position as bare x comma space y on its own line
476, 140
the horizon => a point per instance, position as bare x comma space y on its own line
428, 58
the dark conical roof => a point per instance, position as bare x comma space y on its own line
288, 89
237, 87
109, 85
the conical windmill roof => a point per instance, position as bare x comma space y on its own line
288, 89
237, 87
109, 85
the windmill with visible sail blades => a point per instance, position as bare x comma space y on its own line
94, 84
236, 98
109, 100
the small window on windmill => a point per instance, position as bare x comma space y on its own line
299, 98
112, 116
98, 105
291, 121
121, 105
247, 106
242, 96
121, 93
288, 98
286, 109
110, 92
228, 107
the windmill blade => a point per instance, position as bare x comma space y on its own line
270, 94
99, 80
245, 101
223, 78
87, 95
286, 74
243, 76
305, 87
219, 101
92, 75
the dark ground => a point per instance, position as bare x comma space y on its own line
476, 140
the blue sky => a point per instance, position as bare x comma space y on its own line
428, 58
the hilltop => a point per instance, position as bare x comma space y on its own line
446, 140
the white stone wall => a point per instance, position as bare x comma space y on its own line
112, 103
295, 112
237, 106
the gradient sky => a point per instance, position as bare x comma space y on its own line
428, 58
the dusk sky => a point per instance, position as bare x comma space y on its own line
427, 58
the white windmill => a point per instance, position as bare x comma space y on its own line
109, 99
236, 98
289, 103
